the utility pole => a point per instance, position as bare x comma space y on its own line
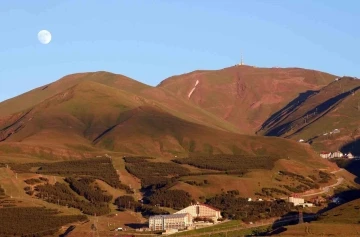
301, 218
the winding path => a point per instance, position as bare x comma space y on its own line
326, 188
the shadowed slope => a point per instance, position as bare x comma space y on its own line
243, 95
336, 106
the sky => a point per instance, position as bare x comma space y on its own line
151, 40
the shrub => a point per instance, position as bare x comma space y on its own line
154, 174
229, 163
33, 221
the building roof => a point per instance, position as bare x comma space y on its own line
215, 209
171, 216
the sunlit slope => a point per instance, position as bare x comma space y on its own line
243, 95
33, 97
94, 117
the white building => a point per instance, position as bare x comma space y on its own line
296, 201
202, 210
325, 155
350, 156
183, 218
337, 154
300, 202
169, 222
306, 204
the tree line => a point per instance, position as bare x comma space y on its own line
129, 203
234, 163
33, 221
97, 168
176, 199
238, 208
154, 174
85, 187
61, 194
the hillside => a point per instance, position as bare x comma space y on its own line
245, 96
154, 143
315, 115
35, 96
120, 121
342, 220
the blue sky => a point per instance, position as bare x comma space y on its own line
150, 40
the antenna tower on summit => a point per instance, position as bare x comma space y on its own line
241, 62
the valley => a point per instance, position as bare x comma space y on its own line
107, 151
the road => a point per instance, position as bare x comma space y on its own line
326, 188
260, 224
333, 172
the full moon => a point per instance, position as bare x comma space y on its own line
44, 36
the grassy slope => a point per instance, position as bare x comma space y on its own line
337, 107
341, 221
120, 122
346, 213
138, 125
35, 96
245, 96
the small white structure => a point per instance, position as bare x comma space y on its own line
296, 201
306, 204
336, 131
249, 199
300, 202
325, 155
337, 154
301, 140
350, 156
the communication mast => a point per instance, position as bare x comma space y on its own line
241, 61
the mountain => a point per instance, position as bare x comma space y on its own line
245, 96
106, 111
101, 112
91, 114
327, 118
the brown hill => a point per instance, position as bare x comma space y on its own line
33, 97
120, 121
245, 96
328, 118
92, 114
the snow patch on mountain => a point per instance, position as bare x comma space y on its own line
193, 89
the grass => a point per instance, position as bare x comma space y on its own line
222, 226
20, 221
348, 213
230, 228
229, 163
332, 111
